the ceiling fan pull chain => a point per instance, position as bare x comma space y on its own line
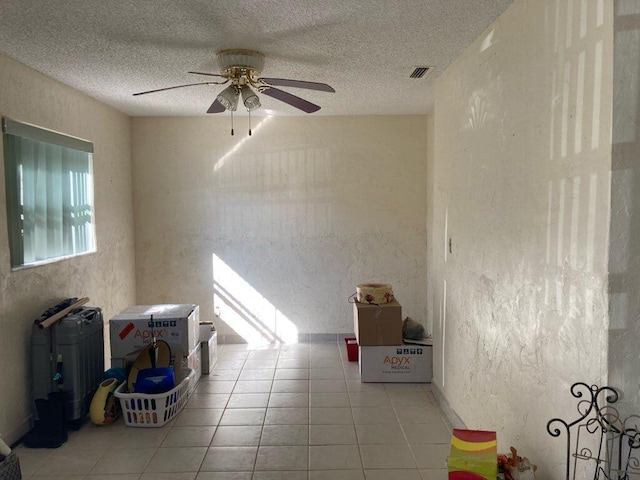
232, 123
249, 121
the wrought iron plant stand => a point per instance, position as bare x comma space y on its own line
600, 444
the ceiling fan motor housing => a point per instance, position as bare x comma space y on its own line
239, 62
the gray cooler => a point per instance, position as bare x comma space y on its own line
77, 340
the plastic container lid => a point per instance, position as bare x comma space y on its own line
155, 380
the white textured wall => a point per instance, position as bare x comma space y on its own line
106, 277
432, 242
624, 265
285, 223
522, 189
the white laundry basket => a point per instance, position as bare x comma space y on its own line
154, 410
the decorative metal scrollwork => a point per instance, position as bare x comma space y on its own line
599, 440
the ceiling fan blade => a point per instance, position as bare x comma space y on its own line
284, 82
209, 74
216, 107
292, 100
179, 86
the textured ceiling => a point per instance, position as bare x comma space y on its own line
366, 50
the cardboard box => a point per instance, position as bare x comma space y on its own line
396, 364
378, 324
132, 329
193, 361
209, 342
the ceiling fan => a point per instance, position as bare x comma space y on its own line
241, 69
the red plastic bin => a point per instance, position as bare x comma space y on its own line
352, 349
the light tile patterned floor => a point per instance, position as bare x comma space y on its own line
294, 412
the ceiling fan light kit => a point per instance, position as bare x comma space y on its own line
249, 98
229, 98
242, 68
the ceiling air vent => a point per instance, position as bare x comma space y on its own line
419, 72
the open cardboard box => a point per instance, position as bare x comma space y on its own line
378, 324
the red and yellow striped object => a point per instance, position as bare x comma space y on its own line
473, 455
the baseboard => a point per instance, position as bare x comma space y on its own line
321, 338
302, 338
451, 414
227, 338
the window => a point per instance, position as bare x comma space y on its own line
49, 183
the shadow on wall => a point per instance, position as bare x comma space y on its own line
246, 310
521, 297
576, 223
624, 261
569, 194
223, 159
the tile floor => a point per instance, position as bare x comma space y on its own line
289, 412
